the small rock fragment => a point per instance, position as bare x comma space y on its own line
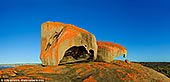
127, 61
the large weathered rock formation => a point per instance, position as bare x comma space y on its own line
66, 43
108, 50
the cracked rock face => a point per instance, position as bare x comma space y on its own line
108, 50
65, 43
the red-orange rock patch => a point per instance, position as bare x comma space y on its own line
90, 79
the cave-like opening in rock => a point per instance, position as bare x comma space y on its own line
77, 54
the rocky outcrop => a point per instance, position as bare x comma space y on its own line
116, 71
65, 43
108, 50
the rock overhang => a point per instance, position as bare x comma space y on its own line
57, 39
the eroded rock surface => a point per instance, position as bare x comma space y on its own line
108, 50
116, 71
66, 43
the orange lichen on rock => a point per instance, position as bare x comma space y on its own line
126, 66
58, 71
101, 74
110, 46
120, 71
57, 38
116, 71
25, 67
107, 65
48, 70
90, 79
87, 66
10, 71
98, 65
79, 70
86, 72
137, 69
78, 66
132, 76
1, 73
108, 50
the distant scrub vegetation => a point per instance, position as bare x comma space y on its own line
163, 67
